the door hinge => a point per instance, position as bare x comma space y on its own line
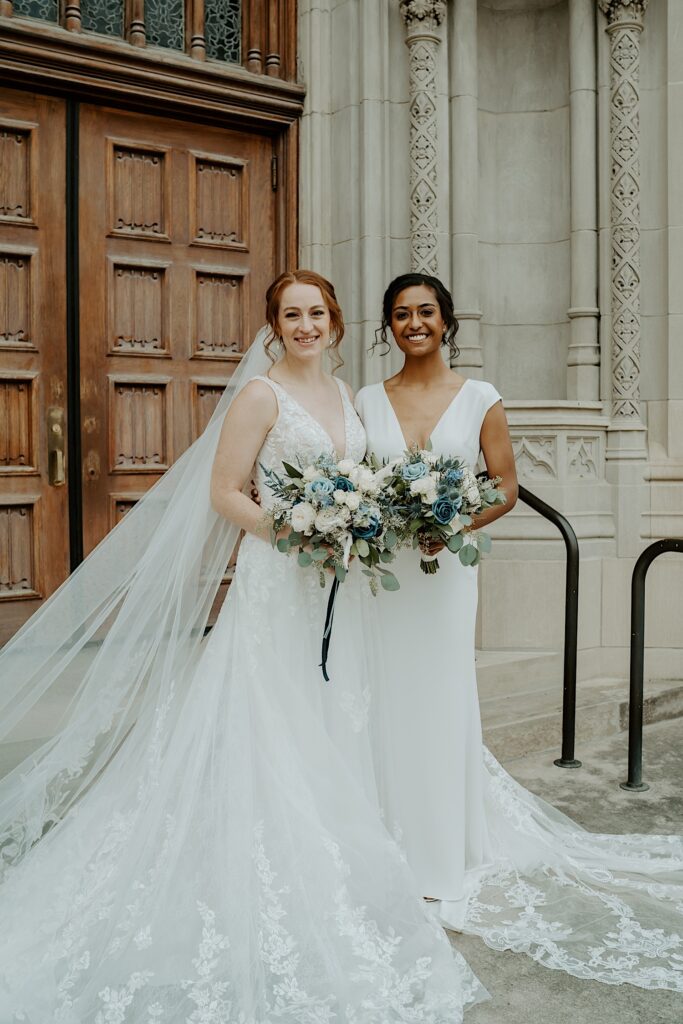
273, 174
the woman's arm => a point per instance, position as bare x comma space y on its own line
500, 461
247, 422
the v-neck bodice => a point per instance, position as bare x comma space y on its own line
456, 432
297, 434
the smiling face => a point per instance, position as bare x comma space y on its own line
416, 321
303, 321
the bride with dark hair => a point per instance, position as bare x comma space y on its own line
200, 841
496, 860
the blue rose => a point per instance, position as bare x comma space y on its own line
342, 483
414, 471
320, 490
444, 510
367, 530
453, 476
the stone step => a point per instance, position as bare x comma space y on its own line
522, 723
501, 673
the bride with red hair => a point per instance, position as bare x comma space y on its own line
200, 841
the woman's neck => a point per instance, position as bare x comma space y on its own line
306, 374
424, 370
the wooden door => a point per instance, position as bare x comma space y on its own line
34, 554
177, 247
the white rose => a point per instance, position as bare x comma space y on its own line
422, 485
351, 499
366, 479
354, 474
331, 518
310, 473
303, 517
456, 524
340, 497
345, 466
473, 497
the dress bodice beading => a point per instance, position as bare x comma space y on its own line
296, 435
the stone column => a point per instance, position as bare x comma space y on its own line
583, 357
422, 19
625, 24
465, 183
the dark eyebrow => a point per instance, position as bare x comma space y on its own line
421, 306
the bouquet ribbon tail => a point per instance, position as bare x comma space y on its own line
327, 632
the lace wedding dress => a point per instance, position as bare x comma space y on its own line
228, 862
504, 864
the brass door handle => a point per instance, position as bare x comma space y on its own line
56, 458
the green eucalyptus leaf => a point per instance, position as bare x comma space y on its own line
340, 573
484, 543
283, 545
455, 543
389, 582
468, 554
295, 538
320, 554
386, 556
390, 539
305, 558
362, 547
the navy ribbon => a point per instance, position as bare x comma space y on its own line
327, 632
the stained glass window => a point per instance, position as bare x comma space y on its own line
105, 16
165, 23
46, 10
223, 29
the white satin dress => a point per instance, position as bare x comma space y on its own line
504, 864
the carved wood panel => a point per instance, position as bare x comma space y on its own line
175, 264
18, 555
17, 423
16, 305
219, 202
17, 166
206, 395
137, 308
220, 305
34, 554
138, 190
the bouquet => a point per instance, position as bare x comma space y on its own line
334, 513
434, 498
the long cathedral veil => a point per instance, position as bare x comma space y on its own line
91, 669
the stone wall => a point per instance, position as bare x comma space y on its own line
560, 231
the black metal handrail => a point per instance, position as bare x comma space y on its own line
571, 623
634, 782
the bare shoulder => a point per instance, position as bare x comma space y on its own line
256, 400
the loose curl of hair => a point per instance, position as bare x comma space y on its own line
274, 295
443, 297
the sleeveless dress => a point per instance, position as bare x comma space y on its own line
503, 863
238, 870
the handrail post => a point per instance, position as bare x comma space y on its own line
571, 624
634, 782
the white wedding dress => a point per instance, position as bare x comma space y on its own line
229, 865
504, 864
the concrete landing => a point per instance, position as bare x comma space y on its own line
520, 721
522, 991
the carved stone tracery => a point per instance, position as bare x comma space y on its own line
422, 19
625, 24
